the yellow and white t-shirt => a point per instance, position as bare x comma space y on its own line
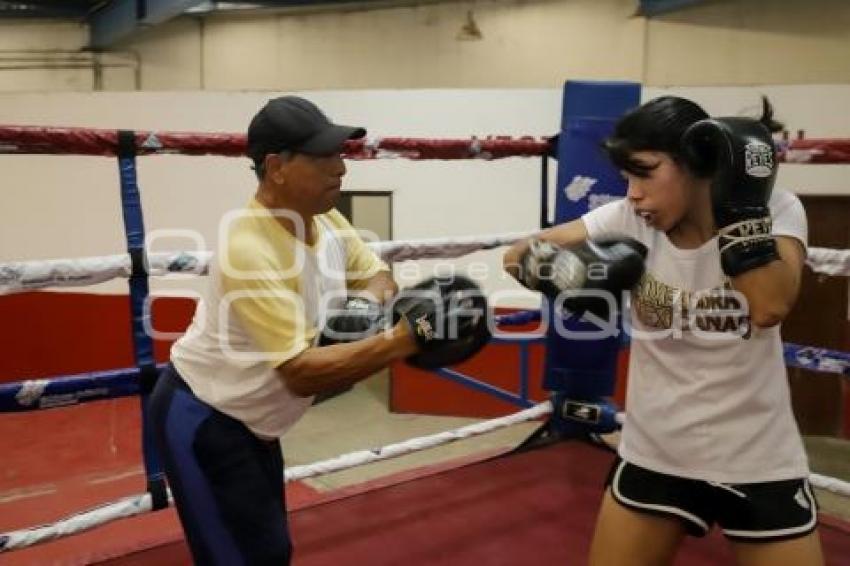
265, 299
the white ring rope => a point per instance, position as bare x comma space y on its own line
832, 485
433, 248
20, 276
414, 444
829, 262
139, 504
79, 522
16, 277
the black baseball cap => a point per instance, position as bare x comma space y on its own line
296, 124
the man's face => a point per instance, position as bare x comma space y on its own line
312, 183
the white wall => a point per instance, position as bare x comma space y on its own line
20, 41
65, 206
69, 206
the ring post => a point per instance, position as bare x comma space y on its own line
134, 228
581, 372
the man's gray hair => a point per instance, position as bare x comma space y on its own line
259, 166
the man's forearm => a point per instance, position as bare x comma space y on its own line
381, 286
330, 367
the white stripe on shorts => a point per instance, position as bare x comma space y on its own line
615, 490
783, 532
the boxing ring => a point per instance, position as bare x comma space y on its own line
536, 504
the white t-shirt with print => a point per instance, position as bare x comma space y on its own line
708, 394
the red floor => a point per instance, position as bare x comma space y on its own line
532, 508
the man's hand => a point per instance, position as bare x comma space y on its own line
359, 318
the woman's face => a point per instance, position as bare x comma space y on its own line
665, 195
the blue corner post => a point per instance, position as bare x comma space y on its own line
581, 357
143, 347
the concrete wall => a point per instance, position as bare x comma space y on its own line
522, 44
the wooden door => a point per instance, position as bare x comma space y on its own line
820, 318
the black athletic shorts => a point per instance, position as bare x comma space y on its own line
748, 512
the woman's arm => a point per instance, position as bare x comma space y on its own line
567, 234
771, 290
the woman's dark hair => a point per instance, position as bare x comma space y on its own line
658, 125
767, 117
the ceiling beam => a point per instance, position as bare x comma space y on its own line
650, 8
120, 19
41, 9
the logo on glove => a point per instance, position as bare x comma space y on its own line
424, 328
758, 159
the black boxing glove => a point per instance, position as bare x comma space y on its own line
359, 318
605, 266
537, 268
740, 157
448, 319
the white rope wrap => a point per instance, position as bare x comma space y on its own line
414, 444
832, 485
434, 248
829, 261
802, 155
23, 276
27, 275
372, 146
79, 522
17, 277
